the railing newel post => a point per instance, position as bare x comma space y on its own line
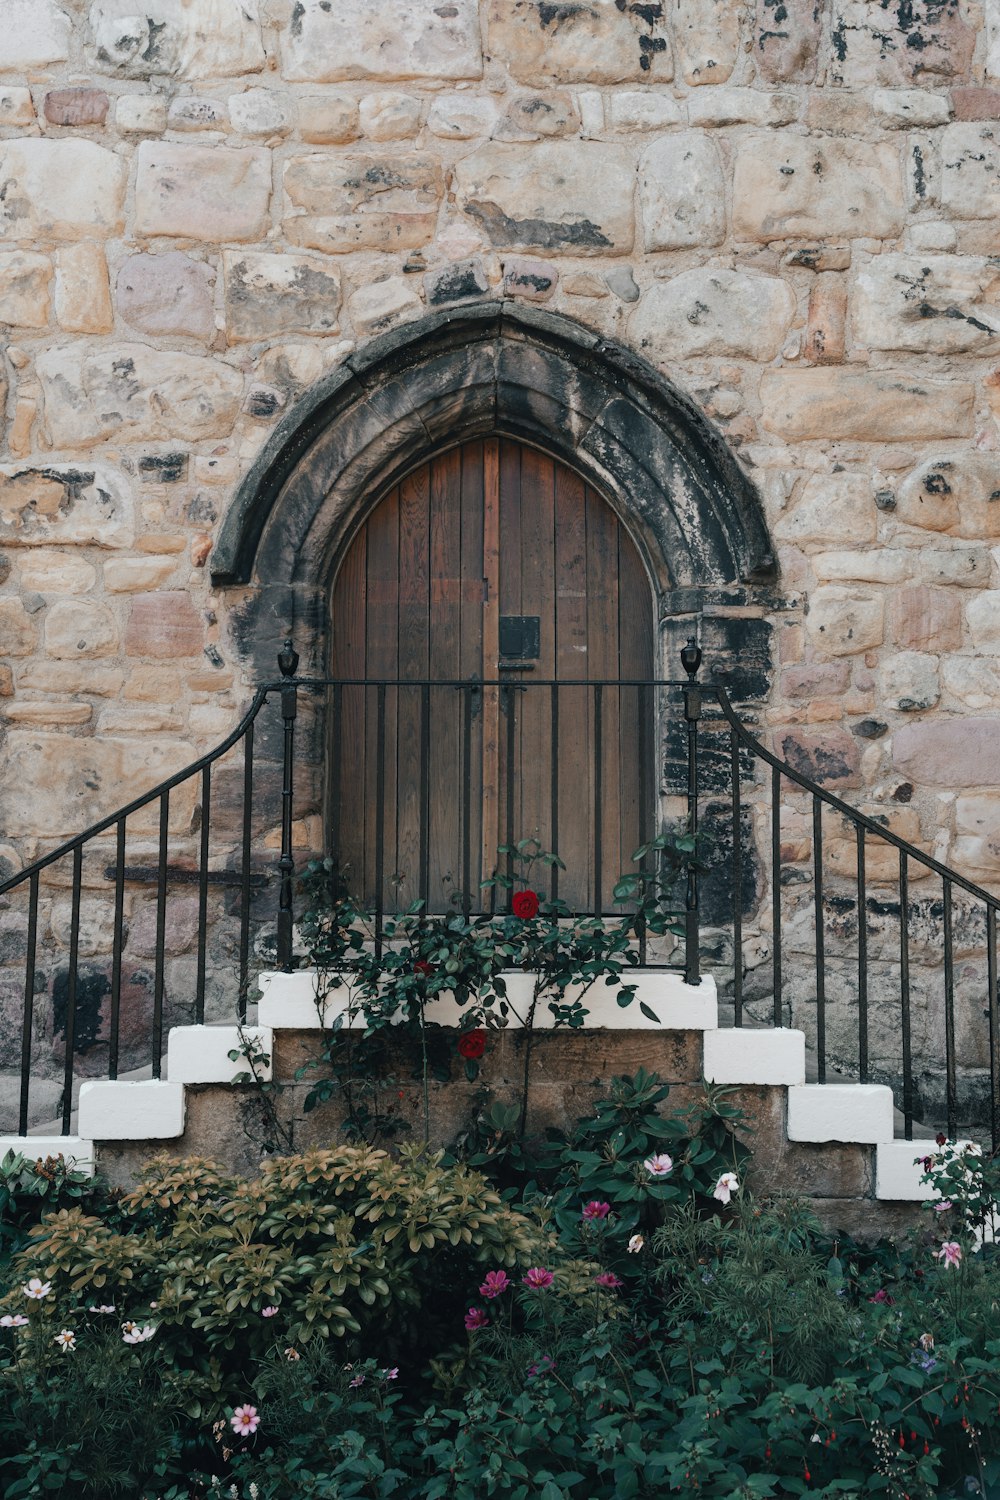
288, 664
691, 662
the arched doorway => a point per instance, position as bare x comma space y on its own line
494, 564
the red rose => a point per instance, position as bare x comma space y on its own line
423, 967
472, 1045
525, 905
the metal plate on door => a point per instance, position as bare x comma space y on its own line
520, 637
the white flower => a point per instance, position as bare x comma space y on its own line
660, 1165
14, 1320
133, 1334
37, 1289
635, 1244
105, 1307
66, 1340
727, 1185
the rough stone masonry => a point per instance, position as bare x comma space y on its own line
790, 208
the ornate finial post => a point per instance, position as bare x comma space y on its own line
288, 665
691, 661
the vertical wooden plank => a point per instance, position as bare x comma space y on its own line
603, 651
414, 600
445, 661
572, 665
491, 652
381, 661
349, 633
471, 644
635, 635
534, 740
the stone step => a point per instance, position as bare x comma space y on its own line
78, 1153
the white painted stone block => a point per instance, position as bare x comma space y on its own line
742, 1055
290, 1001
152, 1110
899, 1168
850, 1112
77, 1152
200, 1054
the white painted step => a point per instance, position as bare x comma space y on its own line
741, 1055
200, 1054
148, 1111
77, 1152
899, 1166
860, 1113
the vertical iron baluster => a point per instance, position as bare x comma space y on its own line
776, 888
336, 754
904, 993
467, 692
508, 695
598, 799
994, 1015
554, 792
206, 815
820, 941
116, 950
241, 1006
423, 890
29, 1005
644, 829
161, 928
288, 662
951, 1093
691, 661
734, 760
69, 1031
862, 957
380, 810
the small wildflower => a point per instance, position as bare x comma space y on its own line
495, 1284
595, 1210
943, 1206
881, 1296
244, 1420
950, 1253
727, 1185
14, 1320
926, 1342
105, 1308
357, 1380
609, 1280
37, 1289
392, 1374
538, 1278
660, 1165
133, 1334
269, 1312
66, 1340
544, 1366
292, 1354
635, 1244
475, 1318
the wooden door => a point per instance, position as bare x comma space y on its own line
492, 564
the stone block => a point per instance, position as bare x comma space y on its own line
183, 38
858, 1112
786, 41
364, 202
816, 679
562, 197
134, 575
192, 112
961, 752
261, 112
24, 288
79, 630
601, 42
925, 619
682, 192
796, 187
742, 1055
17, 631
136, 392
200, 1054
270, 296
873, 565
931, 236
461, 117
324, 43
830, 508
202, 192
36, 33
141, 114
820, 257
66, 189
904, 109
825, 339
377, 307
328, 119
52, 571
149, 1111
974, 682
621, 281
167, 294
529, 116
390, 117
714, 312
16, 107
844, 622
899, 1166
970, 171
65, 505
83, 295
935, 304
52, 785
977, 825
869, 406
534, 279
76, 106
976, 103
75, 1151
164, 624
457, 282
909, 681
983, 615
923, 39
734, 106
707, 37
830, 757
643, 110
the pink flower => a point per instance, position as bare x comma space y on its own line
358, 1379
943, 1206
950, 1253
595, 1210
392, 1374
133, 1334
14, 1320
496, 1283
881, 1296
244, 1420
269, 1312
660, 1165
610, 1280
476, 1318
538, 1278
727, 1185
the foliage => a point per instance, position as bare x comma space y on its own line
29, 1189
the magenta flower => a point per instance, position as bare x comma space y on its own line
609, 1280
538, 1278
881, 1296
950, 1253
244, 1420
475, 1318
595, 1210
392, 1374
545, 1366
495, 1284
358, 1379
943, 1206
269, 1312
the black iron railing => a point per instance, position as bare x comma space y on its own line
415, 783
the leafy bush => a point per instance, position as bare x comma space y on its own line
29, 1189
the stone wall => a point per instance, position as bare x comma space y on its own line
788, 208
